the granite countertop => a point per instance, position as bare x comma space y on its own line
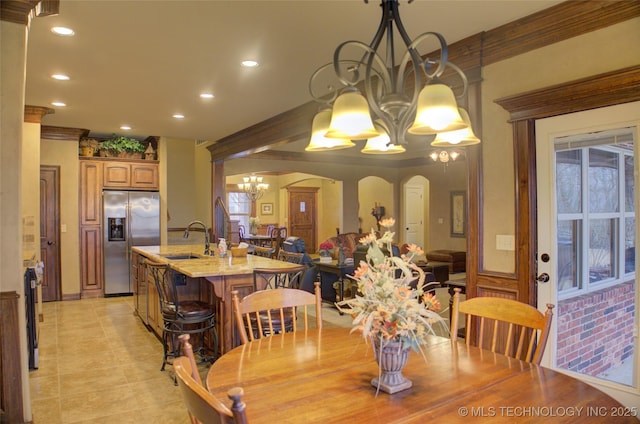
207, 266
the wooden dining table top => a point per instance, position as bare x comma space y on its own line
324, 376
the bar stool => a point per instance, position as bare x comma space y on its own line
273, 278
181, 316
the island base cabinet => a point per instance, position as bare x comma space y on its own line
220, 298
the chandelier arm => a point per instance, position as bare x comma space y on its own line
369, 52
333, 92
416, 58
463, 77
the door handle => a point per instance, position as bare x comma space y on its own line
51, 243
543, 278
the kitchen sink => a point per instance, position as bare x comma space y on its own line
185, 256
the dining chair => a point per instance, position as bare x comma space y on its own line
276, 240
266, 252
181, 316
241, 233
507, 321
293, 257
273, 278
262, 313
204, 407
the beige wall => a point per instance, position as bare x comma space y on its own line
64, 153
181, 191
375, 190
590, 54
13, 42
30, 171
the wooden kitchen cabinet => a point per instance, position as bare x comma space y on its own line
91, 192
97, 174
145, 176
131, 175
91, 262
154, 317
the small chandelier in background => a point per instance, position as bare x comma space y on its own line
444, 156
253, 187
392, 106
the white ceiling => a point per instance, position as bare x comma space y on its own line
139, 62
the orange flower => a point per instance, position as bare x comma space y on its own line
403, 293
387, 222
415, 249
361, 271
431, 302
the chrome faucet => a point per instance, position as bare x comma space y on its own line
207, 250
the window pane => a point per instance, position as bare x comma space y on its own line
629, 184
569, 181
601, 250
239, 208
603, 181
630, 245
568, 254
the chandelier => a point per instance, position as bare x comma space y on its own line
444, 156
253, 187
391, 107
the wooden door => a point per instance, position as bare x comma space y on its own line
303, 215
49, 231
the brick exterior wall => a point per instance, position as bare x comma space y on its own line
595, 330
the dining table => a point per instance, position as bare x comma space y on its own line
324, 376
258, 239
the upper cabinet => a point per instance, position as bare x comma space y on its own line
142, 175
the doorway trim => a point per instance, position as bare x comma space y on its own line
608, 89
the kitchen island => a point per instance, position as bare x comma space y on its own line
207, 278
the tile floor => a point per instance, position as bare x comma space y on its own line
99, 364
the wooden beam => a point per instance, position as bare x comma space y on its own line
563, 21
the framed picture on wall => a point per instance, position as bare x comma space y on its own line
266, 208
458, 214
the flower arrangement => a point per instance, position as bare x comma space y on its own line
389, 307
254, 221
325, 248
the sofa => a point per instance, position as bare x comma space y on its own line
457, 260
349, 241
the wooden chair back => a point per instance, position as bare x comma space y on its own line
202, 405
264, 312
524, 325
241, 232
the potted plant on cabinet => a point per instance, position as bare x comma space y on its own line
122, 146
88, 146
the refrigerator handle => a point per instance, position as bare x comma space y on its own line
130, 238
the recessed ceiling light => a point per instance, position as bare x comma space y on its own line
249, 63
178, 116
60, 77
61, 104
207, 95
62, 31
125, 127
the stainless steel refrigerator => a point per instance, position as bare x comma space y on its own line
131, 218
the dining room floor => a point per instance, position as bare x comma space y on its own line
99, 364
